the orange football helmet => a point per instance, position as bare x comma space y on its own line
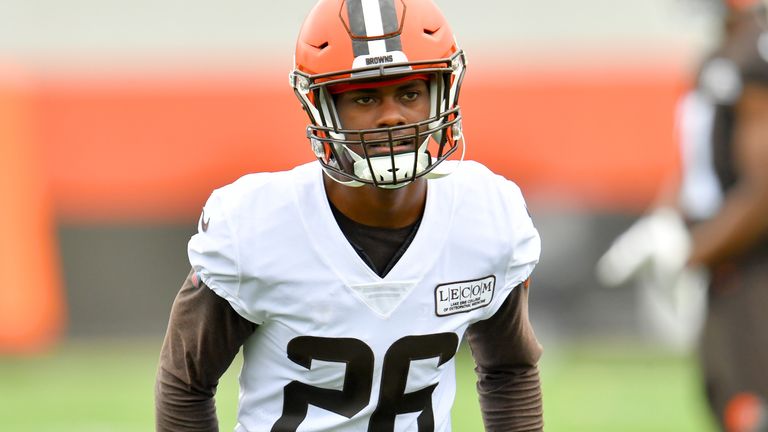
346, 44
759, 7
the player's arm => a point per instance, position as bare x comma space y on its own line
506, 353
743, 218
204, 335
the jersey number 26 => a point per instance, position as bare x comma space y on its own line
358, 380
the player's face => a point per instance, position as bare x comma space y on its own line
384, 107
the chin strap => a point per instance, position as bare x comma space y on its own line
390, 171
389, 174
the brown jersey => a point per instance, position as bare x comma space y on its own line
734, 343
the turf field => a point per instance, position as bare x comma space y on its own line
107, 387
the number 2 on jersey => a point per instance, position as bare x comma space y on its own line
358, 380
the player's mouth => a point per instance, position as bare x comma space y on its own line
405, 145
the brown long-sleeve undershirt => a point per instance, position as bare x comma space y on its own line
205, 334
506, 354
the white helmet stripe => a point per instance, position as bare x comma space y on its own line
370, 19
374, 27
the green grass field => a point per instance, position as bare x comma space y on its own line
108, 387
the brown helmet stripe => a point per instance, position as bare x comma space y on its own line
367, 28
357, 27
390, 24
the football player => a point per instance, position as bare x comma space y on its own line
724, 197
350, 281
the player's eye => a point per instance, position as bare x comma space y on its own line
411, 96
364, 100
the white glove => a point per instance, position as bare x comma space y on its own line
658, 243
652, 254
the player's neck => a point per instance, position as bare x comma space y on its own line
384, 208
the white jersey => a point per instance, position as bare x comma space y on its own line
340, 348
700, 192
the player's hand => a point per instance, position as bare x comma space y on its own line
656, 246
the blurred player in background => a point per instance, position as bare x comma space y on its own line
720, 220
350, 281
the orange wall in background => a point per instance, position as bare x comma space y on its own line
149, 147
153, 146
600, 138
31, 302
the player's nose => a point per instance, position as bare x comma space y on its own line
391, 113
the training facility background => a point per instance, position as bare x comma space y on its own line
118, 118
